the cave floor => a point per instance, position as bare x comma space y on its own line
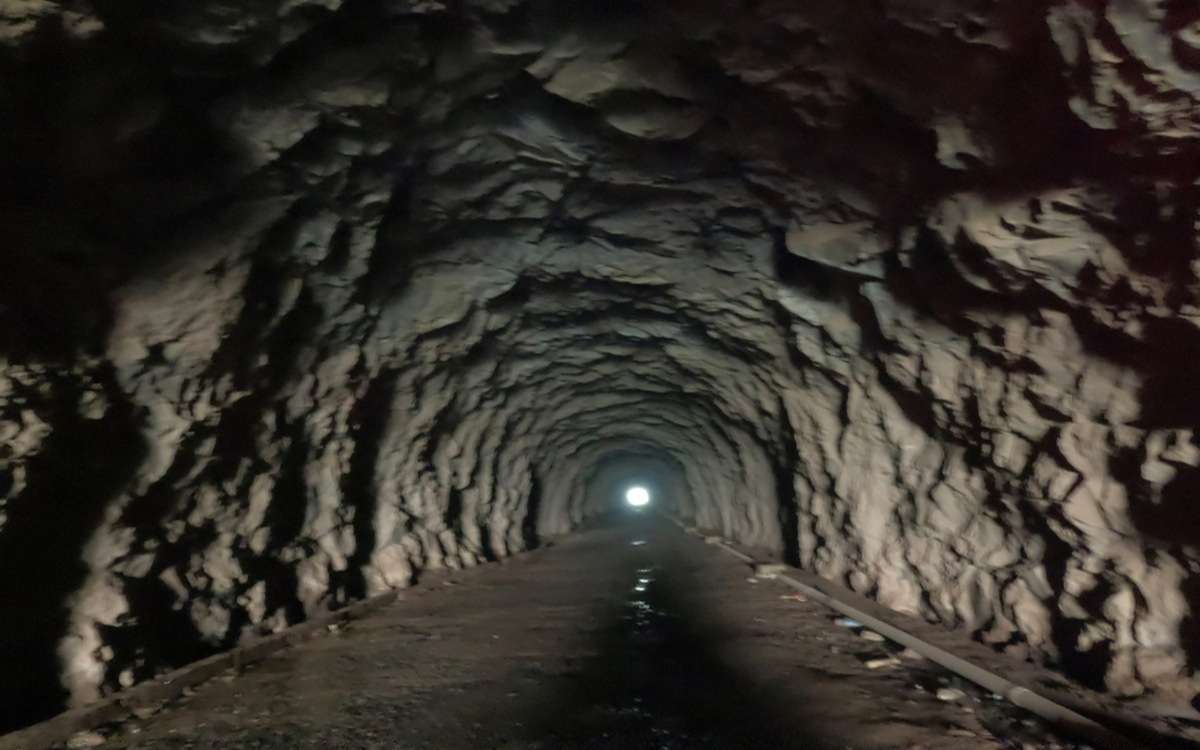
630, 635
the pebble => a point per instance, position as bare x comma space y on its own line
950, 695
769, 570
881, 662
847, 622
871, 635
85, 739
145, 712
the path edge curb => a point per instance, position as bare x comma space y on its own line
157, 690
1061, 716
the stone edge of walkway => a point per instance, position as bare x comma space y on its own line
1096, 709
59, 729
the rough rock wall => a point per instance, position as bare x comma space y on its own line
305, 296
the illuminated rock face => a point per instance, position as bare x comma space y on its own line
303, 296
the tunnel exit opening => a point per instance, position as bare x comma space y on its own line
637, 497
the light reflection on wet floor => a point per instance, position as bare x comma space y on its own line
657, 684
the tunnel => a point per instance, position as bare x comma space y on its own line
304, 303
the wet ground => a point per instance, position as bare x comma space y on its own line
633, 635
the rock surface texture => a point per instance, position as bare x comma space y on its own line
302, 297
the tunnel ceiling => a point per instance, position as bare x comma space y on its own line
301, 297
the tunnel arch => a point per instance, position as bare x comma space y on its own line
378, 286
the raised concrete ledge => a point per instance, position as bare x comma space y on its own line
120, 705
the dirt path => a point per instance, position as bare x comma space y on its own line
628, 636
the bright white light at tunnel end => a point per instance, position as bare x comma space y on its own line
637, 497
